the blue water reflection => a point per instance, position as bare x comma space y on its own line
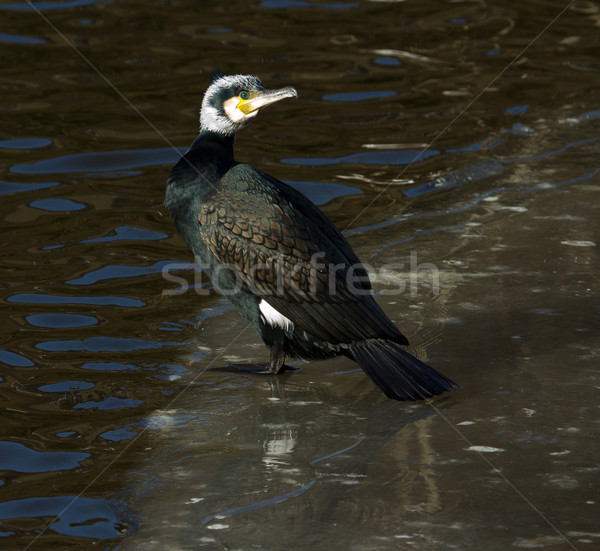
117, 272
102, 344
67, 386
57, 205
14, 359
379, 157
18, 457
359, 96
50, 6
110, 403
82, 517
282, 4
25, 143
105, 161
119, 434
39, 298
18, 39
22, 187
109, 366
61, 320
128, 232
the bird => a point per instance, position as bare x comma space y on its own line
277, 257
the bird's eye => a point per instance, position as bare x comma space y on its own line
244, 95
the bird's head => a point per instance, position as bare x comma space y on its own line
231, 101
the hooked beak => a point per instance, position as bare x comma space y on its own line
258, 100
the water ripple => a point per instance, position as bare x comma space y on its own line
15, 360
67, 386
57, 205
103, 344
110, 403
82, 517
459, 178
61, 320
122, 233
19, 39
359, 96
24, 143
39, 298
50, 6
381, 157
282, 4
19, 187
115, 271
259, 504
101, 162
18, 457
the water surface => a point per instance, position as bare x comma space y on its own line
455, 145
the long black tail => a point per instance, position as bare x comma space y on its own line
399, 374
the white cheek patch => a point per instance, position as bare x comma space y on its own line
233, 113
273, 317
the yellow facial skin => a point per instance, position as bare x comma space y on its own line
247, 103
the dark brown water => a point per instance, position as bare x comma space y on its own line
456, 143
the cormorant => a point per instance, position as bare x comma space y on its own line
277, 257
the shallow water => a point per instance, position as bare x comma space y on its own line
456, 148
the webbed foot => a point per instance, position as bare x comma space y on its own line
276, 365
264, 369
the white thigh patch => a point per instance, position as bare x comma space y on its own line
273, 317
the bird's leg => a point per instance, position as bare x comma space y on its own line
277, 360
276, 364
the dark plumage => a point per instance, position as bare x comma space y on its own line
277, 257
